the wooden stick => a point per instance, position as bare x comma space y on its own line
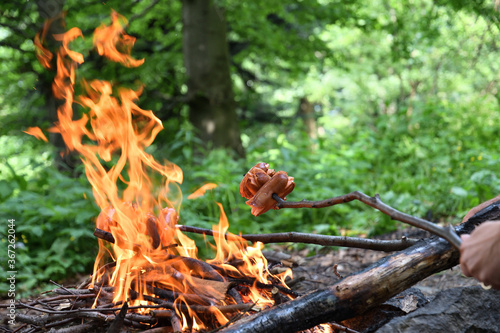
162, 313
56, 298
38, 320
341, 328
117, 324
86, 313
61, 286
85, 310
299, 237
296, 237
374, 202
83, 328
293, 282
81, 292
176, 323
60, 322
198, 308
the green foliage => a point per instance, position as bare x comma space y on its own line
53, 215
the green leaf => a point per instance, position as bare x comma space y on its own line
5, 190
459, 191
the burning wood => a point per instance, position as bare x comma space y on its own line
222, 293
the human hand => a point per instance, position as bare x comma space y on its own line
480, 254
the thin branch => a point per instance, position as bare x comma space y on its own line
96, 313
341, 328
104, 235
38, 321
375, 202
296, 237
144, 12
62, 287
117, 324
235, 318
198, 308
62, 311
300, 237
56, 298
176, 323
62, 322
85, 327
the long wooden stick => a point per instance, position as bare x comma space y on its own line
296, 237
447, 233
325, 240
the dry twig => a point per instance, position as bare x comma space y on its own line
325, 240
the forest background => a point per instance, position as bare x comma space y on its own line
396, 97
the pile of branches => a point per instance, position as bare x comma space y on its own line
90, 306
74, 307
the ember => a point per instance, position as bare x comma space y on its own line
144, 261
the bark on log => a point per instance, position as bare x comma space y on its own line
362, 291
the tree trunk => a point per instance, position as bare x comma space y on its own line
212, 108
306, 112
53, 10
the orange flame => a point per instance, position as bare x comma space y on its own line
37, 133
148, 251
107, 40
43, 55
202, 190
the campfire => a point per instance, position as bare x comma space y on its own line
146, 266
